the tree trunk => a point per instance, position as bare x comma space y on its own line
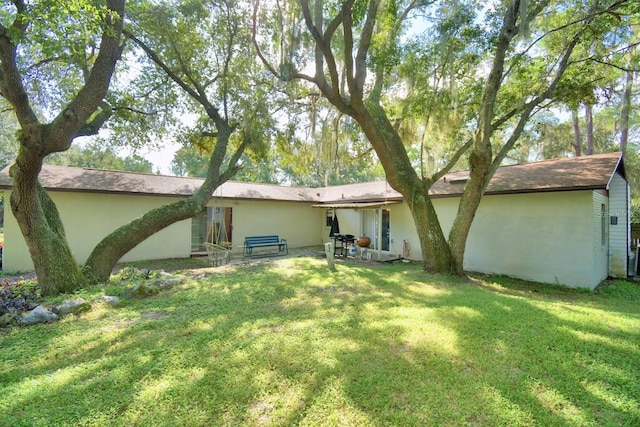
106, 254
35, 212
469, 203
577, 142
626, 111
436, 255
39, 221
588, 110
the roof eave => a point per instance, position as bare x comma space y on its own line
618, 169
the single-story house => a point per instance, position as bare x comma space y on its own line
560, 221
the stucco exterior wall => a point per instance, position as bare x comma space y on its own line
619, 233
296, 222
402, 228
88, 218
547, 237
543, 237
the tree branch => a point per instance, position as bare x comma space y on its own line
232, 166
349, 66
363, 48
611, 64
452, 161
266, 62
232, 31
497, 124
254, 31
323, 54
11, 85
67, 124
92, 127
136, 110
530, 106
200, 97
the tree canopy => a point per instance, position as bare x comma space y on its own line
439, 84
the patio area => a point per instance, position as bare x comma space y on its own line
361, 255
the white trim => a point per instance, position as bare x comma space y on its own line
369, 205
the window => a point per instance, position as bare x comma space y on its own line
329, 217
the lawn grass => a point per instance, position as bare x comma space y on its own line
288, 343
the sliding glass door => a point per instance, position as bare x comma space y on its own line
214, 225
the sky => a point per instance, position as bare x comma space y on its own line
161, 158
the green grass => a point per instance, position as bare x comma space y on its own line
288, 343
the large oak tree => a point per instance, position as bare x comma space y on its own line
356, 49
35, 212
198, 64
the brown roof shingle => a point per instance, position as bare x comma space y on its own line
573, 173
588, 172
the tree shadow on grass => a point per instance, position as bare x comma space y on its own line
292, 344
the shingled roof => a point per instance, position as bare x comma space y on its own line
573, 173
578, 173
73, 179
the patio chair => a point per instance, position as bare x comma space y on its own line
217, 254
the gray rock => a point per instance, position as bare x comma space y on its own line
165, 282
108, 300
72, 306
141, 290
38, 315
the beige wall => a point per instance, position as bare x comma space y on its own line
88, 218
348, 219
544, 237
295, 222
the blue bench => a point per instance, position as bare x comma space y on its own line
252, 242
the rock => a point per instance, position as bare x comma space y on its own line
72, 306
165, 282
141, 290
38, 315
108, 300
7, 319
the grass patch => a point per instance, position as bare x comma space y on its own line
288, 343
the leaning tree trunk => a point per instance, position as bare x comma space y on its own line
469, 203
106, 254
480, 159
436, 255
